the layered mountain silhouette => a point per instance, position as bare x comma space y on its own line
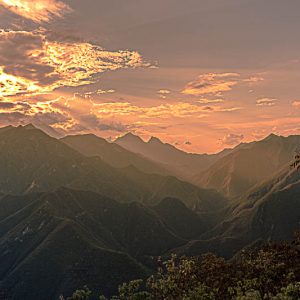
91, 145
31, 161
82, 211
183, 165
268, 212
248, 165
51, 243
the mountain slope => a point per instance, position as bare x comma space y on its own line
81, 238
180, 219
32, 161
113, 154
248, 165
270, 211
183, 165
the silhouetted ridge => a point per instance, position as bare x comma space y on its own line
154, 140
31, 161
29, 126
249, 164
183, 165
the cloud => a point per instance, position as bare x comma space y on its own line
89, 95
37, 11
232, 139
254, 79
211, 84
21, 113
8, 118
179, 110
7, 105
50, 118
91, 121
14, 106
29, 63
100, 92
296, 104
266, 102
163, 93
210, 101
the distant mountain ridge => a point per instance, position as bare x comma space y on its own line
91, 212
248, 165
268, 212
31, 161
91, 145
183, 165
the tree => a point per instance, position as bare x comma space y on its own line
271, 272
296, 163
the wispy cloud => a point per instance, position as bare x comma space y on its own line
211, 84
178, 110
163, 93
296, 103
232, 139
37, 10
266, 102
29, 63
210, 101
253, 80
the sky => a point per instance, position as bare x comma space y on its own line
202, 75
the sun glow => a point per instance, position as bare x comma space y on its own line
37, 11
41, 66
11, 85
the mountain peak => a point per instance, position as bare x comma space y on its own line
29, 126
154, 139
272, 136
130, 137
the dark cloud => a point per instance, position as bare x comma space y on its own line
21, 106
16, 48
8, 118
7, 105
51, 118
92, 122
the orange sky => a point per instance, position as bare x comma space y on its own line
202, 75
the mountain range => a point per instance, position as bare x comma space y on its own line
248, 165
81, 211
268, 212
32, 161
181, 164
60, 240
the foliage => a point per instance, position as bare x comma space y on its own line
296, 162
83, 294
271, 272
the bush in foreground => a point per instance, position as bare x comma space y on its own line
272, 272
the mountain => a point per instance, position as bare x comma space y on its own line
91, 145
249, 165
31, 161
52, 243
268, 212
184, 165
185, 222
55, 133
